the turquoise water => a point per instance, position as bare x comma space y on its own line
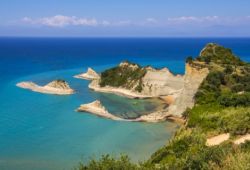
39, 131
44, 132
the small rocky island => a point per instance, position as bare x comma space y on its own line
59, 87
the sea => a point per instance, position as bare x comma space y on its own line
44, 132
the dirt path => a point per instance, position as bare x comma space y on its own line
216, 140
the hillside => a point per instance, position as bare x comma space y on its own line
222, 106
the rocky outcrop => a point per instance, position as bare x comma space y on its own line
89, 75
59, 87
98, 109
185, 99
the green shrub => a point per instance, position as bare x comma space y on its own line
106, 162
234, 99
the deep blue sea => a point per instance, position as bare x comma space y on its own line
39, 131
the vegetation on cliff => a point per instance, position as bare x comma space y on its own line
126, 75
222, 105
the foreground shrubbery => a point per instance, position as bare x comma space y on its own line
213, 118
106, 162
187, 150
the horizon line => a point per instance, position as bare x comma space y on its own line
125, 37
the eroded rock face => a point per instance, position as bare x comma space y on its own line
192, 79
161, 82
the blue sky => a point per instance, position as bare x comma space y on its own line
125, 18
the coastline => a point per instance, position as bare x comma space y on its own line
97, 109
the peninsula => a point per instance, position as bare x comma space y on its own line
58, 87
133, 81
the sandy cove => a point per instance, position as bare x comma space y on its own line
47, 89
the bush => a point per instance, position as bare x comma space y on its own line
213, 118
108, 163
234, 99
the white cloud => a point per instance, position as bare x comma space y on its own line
61, 21
192, 19
151, 20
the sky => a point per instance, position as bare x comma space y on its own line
125, 18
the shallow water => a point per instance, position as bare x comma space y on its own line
43, 131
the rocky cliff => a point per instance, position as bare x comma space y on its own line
161, 82
185, 99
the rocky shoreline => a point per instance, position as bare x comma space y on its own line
176, 90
